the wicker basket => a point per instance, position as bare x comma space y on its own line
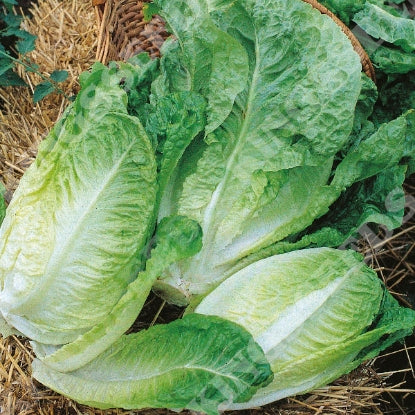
123, 32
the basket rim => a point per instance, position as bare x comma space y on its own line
104, 9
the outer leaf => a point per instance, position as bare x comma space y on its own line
241, 182
103, 198
6, 330
316, 313
79, 234
103, 90
177, 238
378, 200
285, 284
345, 9
196, 363
380, 24
382, 150
393, 61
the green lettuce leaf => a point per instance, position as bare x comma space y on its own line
198, 363
379, 200
391, 143
103, 89
381, 24
344, 9
137, 76
173, 75
211, 57
364, 109
393, 60
317, 314
369, 183
173, 122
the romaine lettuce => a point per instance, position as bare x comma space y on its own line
317, 314
284, 155
77, 228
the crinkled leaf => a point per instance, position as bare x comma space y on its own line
173, 76
378, 200
393, 60
345, 9
383, 25
173, 123
211, 57
382, 150
79, 234
137, 76
374, 191
198, 363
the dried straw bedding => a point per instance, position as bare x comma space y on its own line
67, 40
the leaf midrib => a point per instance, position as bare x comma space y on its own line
209, 225
183, 368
